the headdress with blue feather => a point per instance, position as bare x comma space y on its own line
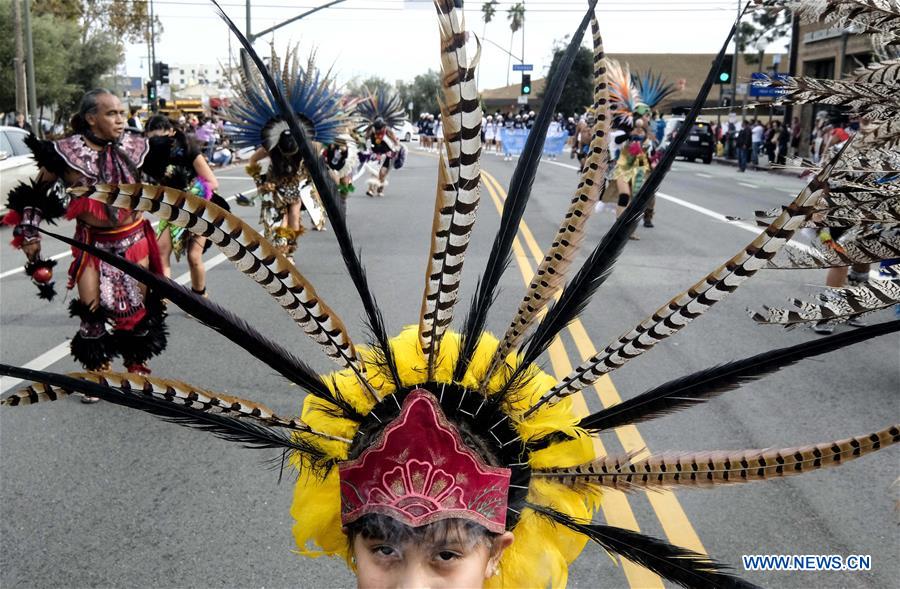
312, 94
381, 104
652, 88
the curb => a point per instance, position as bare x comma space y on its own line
733, 163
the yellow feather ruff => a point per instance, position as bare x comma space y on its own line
542, 551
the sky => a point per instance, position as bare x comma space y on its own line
398, 39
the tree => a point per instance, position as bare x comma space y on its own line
516, 17
127, 20
423, 92
488, 10
764, 27
362, 88
578, 92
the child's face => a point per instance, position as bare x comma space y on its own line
448, 562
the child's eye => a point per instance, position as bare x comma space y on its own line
384, 550
447, 555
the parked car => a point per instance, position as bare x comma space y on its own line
16, 162
700, 143
406, 131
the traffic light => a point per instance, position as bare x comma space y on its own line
724, 74
151, 91
161, 72
526, 84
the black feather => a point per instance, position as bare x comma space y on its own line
226, 323
597, 268
679, 565
702, 385
519, 190
232, 429
328, 192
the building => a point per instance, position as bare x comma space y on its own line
183, 75
686, 71
830, 53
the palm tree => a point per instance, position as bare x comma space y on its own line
516, 17
488, 10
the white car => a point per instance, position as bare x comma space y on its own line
16, 163
406, 131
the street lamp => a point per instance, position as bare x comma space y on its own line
761, 45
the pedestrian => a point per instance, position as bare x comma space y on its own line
783, 144
758, 134
795, 137
190, 173
21, 123
744, 145
134, 121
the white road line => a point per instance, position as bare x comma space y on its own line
59, 352
747, 184
21, 269
702, 175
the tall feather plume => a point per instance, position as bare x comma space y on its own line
459, 175
232, 429
519, 190
623, 94
721, 467
678, 565
327, 190
249, 251
875, 99
597, 268
228, 324
652, 88
693, 302
856, 246
703, 385
551, 272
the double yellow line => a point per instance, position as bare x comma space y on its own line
615, 506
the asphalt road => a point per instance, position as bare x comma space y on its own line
101, 496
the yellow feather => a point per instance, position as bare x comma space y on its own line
542, 550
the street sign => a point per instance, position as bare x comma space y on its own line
522, 100
523, 67
765, 92
742, 89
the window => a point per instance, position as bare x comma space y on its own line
17, 142
5, 146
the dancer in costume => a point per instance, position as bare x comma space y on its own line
284, 187
342, 160
633, 166
188, 170
118, 318
380, 115
440, 458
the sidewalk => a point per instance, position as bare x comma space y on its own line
762, 168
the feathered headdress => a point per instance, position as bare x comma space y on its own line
382, 104
652, 88
432, 423
311, 95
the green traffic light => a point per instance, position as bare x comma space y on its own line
723, 77
526, 89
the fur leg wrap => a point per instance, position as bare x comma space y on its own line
148, 338
93, 346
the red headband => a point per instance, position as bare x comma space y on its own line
420, 471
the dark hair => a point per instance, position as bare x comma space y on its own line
87, 106
159, 123
383, 527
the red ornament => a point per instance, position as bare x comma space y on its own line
42, 275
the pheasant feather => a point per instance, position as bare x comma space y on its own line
519, 190
232, 327
551, 272
700, 386
459, 175
693, 302
707, 469
248, 250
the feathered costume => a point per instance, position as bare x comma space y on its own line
126, 323
435, 424
313, 98
385, 108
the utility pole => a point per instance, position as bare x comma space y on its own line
792, 62
737, 54
152, 39
21, 103
29, 66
